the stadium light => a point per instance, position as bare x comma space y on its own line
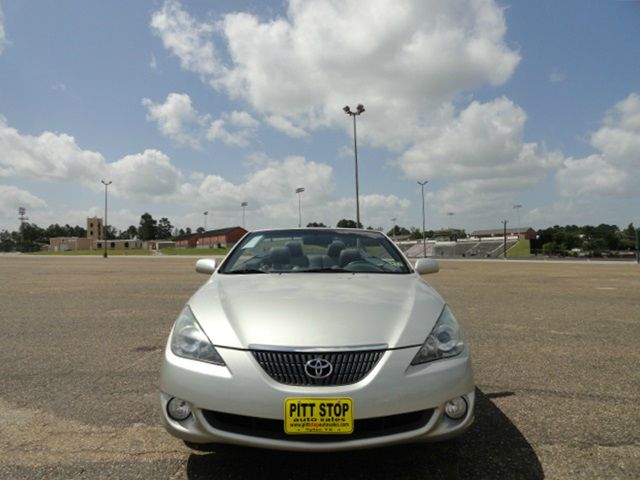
205, 213
424, 235
104, 226
244, 206
359, 110
299, 191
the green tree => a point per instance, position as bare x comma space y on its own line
164, 228
7, 242
344, 223
316, 224
398, 230
148, 229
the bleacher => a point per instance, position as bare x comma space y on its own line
492, 248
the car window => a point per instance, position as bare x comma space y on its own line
306, 251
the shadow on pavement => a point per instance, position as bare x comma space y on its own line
492, 448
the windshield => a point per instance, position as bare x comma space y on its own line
305, 251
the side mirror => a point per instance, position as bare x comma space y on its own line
206, 265
427, 265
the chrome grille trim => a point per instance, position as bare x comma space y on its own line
287, 367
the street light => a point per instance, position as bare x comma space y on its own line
244, 206
424, 235
359, 110
517, 208
299, 191
205, 213
104, 227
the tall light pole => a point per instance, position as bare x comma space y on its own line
517, 208
393, 229
299, 191
424, 223
205, 213
104, 227
504, 224
244, 206
359, 110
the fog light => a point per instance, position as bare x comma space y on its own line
178, 409
456, 408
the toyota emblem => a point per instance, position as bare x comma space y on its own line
318, 368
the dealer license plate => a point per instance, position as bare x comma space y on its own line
324, 416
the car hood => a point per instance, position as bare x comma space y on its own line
316, 310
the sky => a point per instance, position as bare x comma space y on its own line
199, 106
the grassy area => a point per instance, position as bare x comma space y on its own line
201, 252
520, 249
94, 252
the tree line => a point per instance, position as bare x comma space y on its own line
557, 240
594, 241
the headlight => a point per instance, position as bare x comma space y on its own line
445, 340
188, 340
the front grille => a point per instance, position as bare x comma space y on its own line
364, 428
289, 367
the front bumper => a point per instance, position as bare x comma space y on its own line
243, 392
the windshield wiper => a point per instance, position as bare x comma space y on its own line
245, 270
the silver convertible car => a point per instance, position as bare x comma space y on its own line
316, 340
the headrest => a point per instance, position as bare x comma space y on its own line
279, 256
349, 255
295, 249
335, 248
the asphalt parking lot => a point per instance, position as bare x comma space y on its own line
555, 348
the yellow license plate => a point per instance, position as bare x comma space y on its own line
308, 416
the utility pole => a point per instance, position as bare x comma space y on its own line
104, 227
504, 223
424, 223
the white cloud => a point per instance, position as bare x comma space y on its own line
285, 126
49, 156
3, 36
613, 169
58, 158
176, 118
243, 119
153, 63
482, 152
148, 175
403, 58
186, 38
12, 198
245, 126
151, 178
